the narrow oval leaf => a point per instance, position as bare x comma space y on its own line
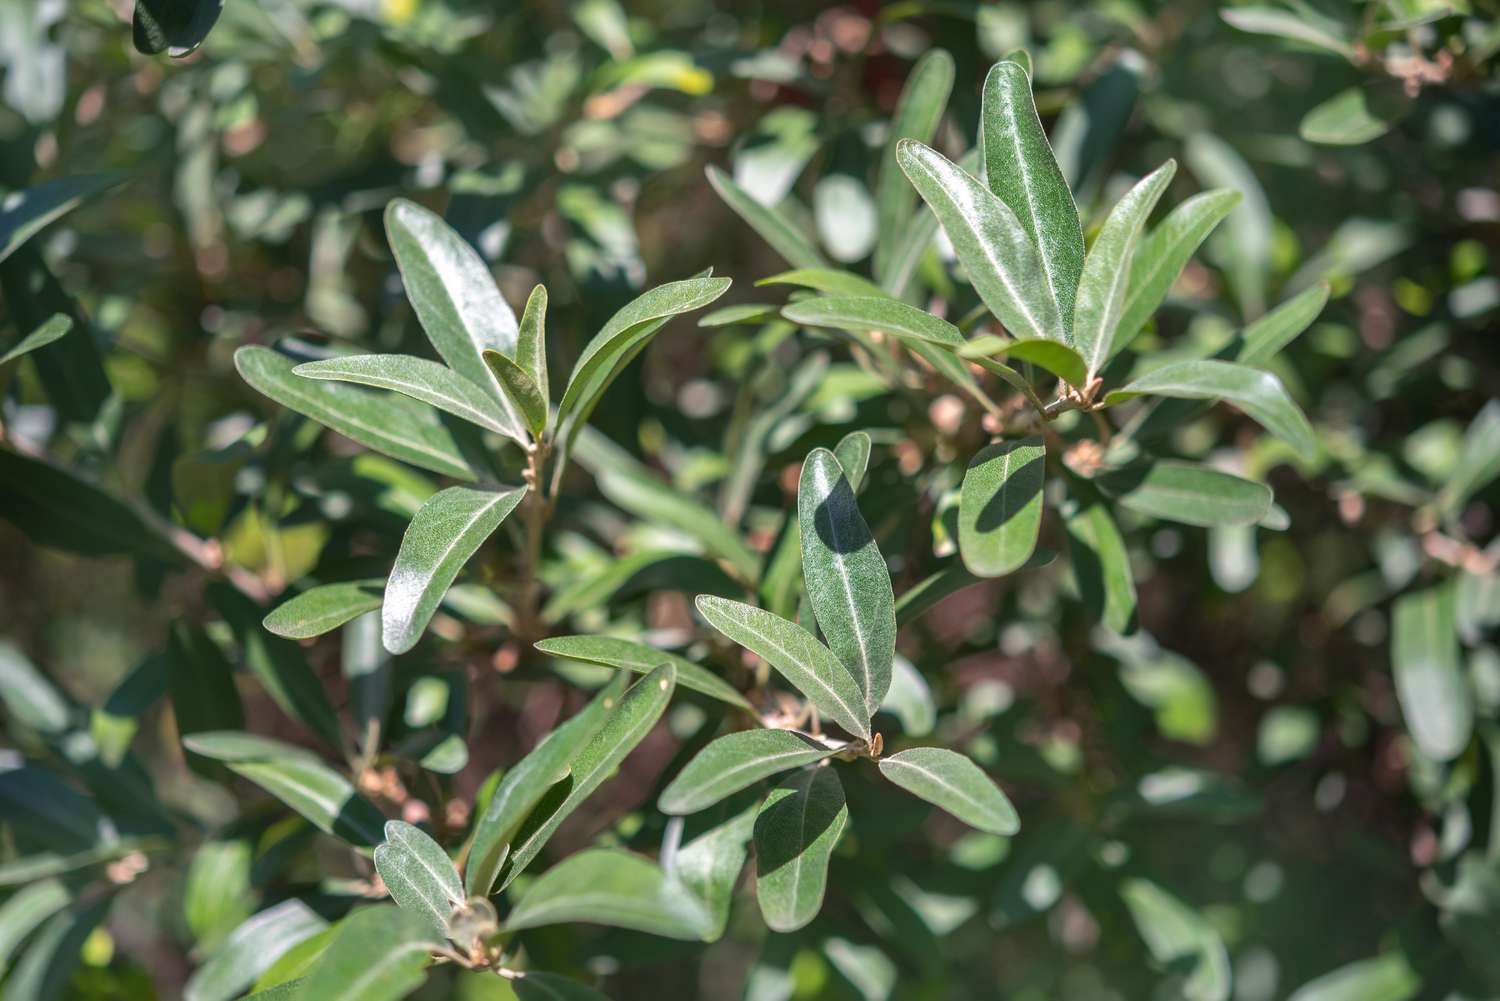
1021, 170
710, 864
640, 658
771, 225
1054, 356
1430, 686
1192, 495
609, 887
847, 580
30, 210
796, 654
1000, 506
1106, 270
1260, 341
626, 727
324, 608
1257, 392
531, 341
853, 453
521, 387
1101, 565
869, 313
418, 874
951, 781
1380, 978
57, 327
299, 780
1162, 256
918, 111
996, 252
796, 830
403, 429
735, 762
524, 786
1180, 939
419, 379
379, 954
25, 911
251, 949
445, 533
830, 280
1347, 119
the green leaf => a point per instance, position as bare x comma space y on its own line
711, 863
1000, 507
175, 27
446, 532
25, 911
1260, 341
1021, 170
379, 954
830, 280
951, 781
1257, 392
734, 762
1479, 462
216, 895
252, 947
853, 453
368, 672
531, 342
299, 780
847, 580
796, 654
610, 887
419, 379
997, 254
1160, 258
1107, 269
534, 986
418, 874
622, 338
1345, 119
770, 224
1430, 685
27, 212
1380, 978
46, 966
910, 700
1192, 495
29, 697
919, 109
640, 658
525, 785
278, 664
1180, 939
1101, 564
522, 389
453, 294
1302, 25
322, 609
201, 684
796, 830
868, 313
403, 429
1057, 358
58, 326
626, 727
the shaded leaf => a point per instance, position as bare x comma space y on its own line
853, 453
1193, 495
27, 212
1000, 507
531, 342
919, 109
176, 27
796, 830
1101, 564
522, 389
951, 781
59, 325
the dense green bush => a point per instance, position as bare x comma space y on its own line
562, 500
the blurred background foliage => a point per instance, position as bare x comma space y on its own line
1229, 796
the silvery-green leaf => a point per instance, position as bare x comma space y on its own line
796, 830
418, 874
251, 948
951, 781
611, 887
783, 237
710, 864
522, 389
445, 533
531, 340
735, 762
1303, 25
1430, 686
1345, 119
869, 313
324, 608
25, 910
380, 953
830, 280
918, 111
420, 379
1193, 495
1106, 270
640, 658
1000, 508
910, 700
847, 580
1263, 339
1180, 939
853, 453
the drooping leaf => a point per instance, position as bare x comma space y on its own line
324, 608
252, 947
418, 874
1430, 685
445, 533
1101, 564
796, 654
772, 227
1054, 356
735, 762
525, 785
640, 658
176, 27
625, 727
1180, 939
1255, 391
403, 429
611, 887
1106, 270
380, 953
796, 830
520, 385
951, 781
847, 580
918, 111
299, 780
995, 250
1163, 254
1021, 170
1193, 495
419, 379
1000, 507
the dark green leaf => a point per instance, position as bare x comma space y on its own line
1193, 495
25, 213
774, 228
534, 986
1101, 565
796, 830
735, 762
1000, 509
611, 887
59, 325
176, 27
918, 111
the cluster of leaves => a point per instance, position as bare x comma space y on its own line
984, 360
